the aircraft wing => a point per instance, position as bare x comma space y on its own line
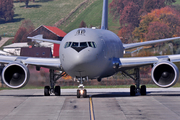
125, 63
40, 38
133, 45
53, 63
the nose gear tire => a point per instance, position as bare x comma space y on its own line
78, 94
85, 93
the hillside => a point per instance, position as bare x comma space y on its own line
52, 11
177, 1
92, 17
47, 13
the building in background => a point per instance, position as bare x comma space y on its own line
41, 49
15, 48
43, 52
26, 50
50, 32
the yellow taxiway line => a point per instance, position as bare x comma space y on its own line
91, 109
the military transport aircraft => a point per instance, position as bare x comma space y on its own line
90, 53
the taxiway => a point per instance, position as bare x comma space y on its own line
102, 104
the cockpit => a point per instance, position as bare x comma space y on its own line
78, 46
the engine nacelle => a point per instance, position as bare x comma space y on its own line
15, 75
165, 74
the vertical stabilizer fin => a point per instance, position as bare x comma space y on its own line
104, 22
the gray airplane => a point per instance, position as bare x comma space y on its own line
90, 53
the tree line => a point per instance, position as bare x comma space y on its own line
145, 19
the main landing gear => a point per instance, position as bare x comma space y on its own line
81, 91
52, 88
134, 89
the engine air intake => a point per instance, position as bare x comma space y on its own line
15, 75
165, 74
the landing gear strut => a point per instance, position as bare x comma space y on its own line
81, 91
136, 88
52, 88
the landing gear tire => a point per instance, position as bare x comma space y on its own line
143, 90
78, 94
132, 90
84, 93
46, 91
57, 90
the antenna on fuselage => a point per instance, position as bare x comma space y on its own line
104, 22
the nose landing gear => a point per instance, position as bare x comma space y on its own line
81, 91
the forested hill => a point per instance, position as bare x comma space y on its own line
92, 17
50, 12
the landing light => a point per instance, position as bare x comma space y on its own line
81, 91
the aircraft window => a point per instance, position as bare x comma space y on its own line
92, 44
68, 44
83, 44
75, 44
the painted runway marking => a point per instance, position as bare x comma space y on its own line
91, 109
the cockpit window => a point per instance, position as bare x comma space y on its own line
92, 44
68, 44
75, 44
80, 44
83, 44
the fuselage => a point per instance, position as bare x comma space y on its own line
87, 52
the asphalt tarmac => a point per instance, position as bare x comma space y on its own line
101, 104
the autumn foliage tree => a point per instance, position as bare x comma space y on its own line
125, 33
129, 13
160, 23
150, 5
23, 31
158, 30
6, 10
82, 24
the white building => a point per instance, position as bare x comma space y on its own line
15, 48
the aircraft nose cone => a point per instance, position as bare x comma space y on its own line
80, 63
78, 49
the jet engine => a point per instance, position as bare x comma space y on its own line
165, 74
15, 75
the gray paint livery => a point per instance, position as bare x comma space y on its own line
92, 62
87, 53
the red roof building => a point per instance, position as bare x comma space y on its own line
56, 31
50, 32
43, 52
